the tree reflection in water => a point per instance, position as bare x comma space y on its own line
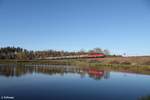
19, 70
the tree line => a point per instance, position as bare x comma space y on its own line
24, 54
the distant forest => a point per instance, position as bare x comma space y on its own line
24, 54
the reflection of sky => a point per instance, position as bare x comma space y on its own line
122, 26
71, 86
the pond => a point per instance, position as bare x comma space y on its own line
61, 82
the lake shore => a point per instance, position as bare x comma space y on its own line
126, 64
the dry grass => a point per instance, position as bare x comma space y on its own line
142, 60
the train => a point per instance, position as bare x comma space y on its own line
96, 55
88, 55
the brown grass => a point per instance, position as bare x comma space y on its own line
142, 60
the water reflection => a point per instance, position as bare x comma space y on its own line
145, 98
61, 82
14, 70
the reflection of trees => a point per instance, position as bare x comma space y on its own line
18, 70
12, 70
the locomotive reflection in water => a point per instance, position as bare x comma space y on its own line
19, 70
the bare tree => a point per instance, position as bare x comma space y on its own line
98, 50
106, 52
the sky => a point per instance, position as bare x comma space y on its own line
121, 26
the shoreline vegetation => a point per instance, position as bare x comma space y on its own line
139, 64
24, 54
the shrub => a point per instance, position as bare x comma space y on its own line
126, 63
114, 62
147, 63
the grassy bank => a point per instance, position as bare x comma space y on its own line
126, 64
52, 62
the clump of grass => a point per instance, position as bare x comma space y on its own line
114, 62
146, 63
144, 98
126, 63
79, 63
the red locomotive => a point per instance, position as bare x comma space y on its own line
96, 55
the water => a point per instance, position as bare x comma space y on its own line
59, 82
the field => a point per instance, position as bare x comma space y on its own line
139, 60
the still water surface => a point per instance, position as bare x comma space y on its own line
59, 82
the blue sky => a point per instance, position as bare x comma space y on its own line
122, 26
